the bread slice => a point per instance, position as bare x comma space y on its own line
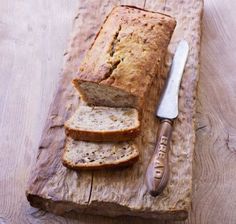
99, 124
89, 155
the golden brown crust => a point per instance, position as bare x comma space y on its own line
123, 51
102, 136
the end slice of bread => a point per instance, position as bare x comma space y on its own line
81, 155
103, 124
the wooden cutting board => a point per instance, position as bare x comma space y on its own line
120, 192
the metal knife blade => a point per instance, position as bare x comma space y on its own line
168, 106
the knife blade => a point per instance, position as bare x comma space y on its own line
158, 169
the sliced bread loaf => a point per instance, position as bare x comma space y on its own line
89, 155
126, 56
98, 124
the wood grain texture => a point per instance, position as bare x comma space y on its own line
121, 192
30, 61
32, 43
214, 196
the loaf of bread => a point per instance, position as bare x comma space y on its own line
116, 74
100, 124
89, 155
125, 57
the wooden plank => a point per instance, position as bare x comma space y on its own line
54, 188
214, 197
32, 42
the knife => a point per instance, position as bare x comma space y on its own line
157, 173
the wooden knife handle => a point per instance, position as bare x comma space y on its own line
157, 173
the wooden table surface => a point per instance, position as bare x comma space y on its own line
33, 37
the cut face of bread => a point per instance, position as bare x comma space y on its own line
103, 95
98, 124
89, 155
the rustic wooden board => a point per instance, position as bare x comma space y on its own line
121, 192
